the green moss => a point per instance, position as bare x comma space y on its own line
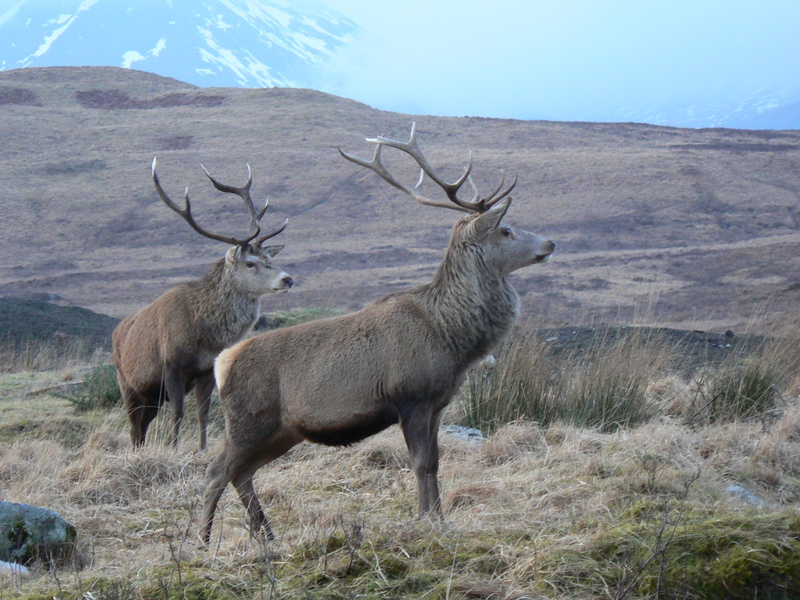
691, 555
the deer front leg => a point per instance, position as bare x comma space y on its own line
420, 429
175, 393
202, 390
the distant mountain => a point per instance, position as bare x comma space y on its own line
765, 109
220, 43
282, 43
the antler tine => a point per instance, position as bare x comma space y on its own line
244, 193
186, 213
496, 195
414, 151
377, 166
263, 238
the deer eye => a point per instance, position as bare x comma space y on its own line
250, 264
506, 231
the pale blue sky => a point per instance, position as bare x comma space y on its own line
564, 59
567, 59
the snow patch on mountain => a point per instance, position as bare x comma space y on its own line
247, 43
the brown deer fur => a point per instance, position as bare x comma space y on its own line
168, 347
400, 360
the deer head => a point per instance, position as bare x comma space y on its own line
248, 262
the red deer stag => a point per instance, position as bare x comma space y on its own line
400, 360
169, 346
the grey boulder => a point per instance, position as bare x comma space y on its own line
29, 533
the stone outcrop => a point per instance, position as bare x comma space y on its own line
29, 533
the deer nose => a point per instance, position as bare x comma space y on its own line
549, 247
287, 282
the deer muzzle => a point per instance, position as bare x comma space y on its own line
282, 283
546, 251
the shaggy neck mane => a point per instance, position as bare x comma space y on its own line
474, 305
225, 309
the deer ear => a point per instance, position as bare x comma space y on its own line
233, 255
490, 220
273, 250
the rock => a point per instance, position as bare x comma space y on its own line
30, 533
747, 496
467, 433
14, 569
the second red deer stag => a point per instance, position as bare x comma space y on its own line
168, 347
400, 360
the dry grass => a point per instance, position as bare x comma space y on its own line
537, 511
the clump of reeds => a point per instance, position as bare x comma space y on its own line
602, 386
751, 386
622, 377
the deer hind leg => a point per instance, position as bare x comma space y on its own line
148, 414
203, 388
247, 494
230, 466
238, 465
217, 479
420, 428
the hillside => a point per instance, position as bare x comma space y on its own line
37, 319
697, 228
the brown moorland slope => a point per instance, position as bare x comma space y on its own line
702, 226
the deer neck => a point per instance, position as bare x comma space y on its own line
474, 306
226, 308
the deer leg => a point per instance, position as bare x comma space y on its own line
240, 470
133, 406
217, 479
148, 414
202, 391
138, 411
175, 392
238, 464
247, 494
135, 411
420, 428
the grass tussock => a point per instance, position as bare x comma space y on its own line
602, 386
600, 480
98, 390
60, 352
755, 386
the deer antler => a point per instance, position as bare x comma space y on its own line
243, 192
263, 238
476, 205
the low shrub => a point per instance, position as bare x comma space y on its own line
99, 390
